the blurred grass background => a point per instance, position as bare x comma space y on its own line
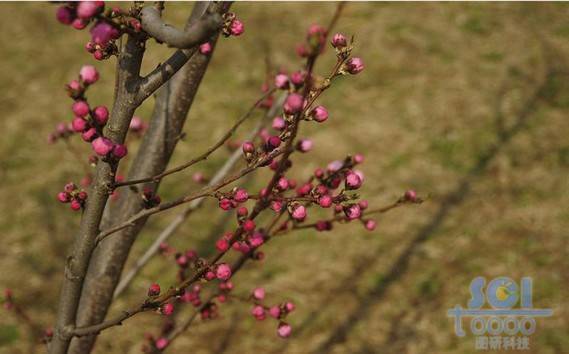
465, 102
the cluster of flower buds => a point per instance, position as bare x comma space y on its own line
107, 26
74, 196
231, 25
231, 200
278, 312
350, 65
150, 198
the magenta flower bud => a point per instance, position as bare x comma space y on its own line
284, 330
411, 195
289, 306
223, 271
167, 309
79, 124
304, 189
256, 240
237, 28
102, 146
277, 205
370, 225
281, 81
240, 196
80, 108
154, 290
320, 114
88, 9
161, 343
273, 142
248, 147
339, 41
89, 135
209, 275
275, 311
282, 184
63, 197
222, 245
206, 48
103, 32
79, 24
249, 225
293, 103
325, 201
352, 211
101, 115
259, 294
90, 47
363, 204
298, 77
279, 123
98, 55
65, 15
182, 261
136, 124
353, 180
301, 50
304, 145
354, 65
75, 204
119, 151
258, 312
225, 204
82, 195
299, 213
89, 74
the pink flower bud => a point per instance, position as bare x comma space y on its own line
259, 294
325, 201
82, 195
79, 124
370, 225
89, 134
258, 312
335, 166
74, 85
284, 330
242, 211
339, 41
223, 271
320, 114
411, 195
301, 50
275, 311
119, 151
136, 124
182, 261
277, 205
161, 343
248, 225
256, 240
363, 204
279, 123
304, 145
101, 115
69, 187
298, 77
282, 184
75, 204
273, 142
354, 65
299, 213
88, 9
79, 24
225, 204
352, 211
103, 32
154, 290
63, 197
206, 48
281, 81
80, 108
209, 275
289, 306
65, 15
353, 180
98, 55
222, 245
358, 158
237, 28
304, 189
240, 196
248, 147
293, 103
168, 309
102, 146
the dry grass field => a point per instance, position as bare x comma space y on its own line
467, 103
